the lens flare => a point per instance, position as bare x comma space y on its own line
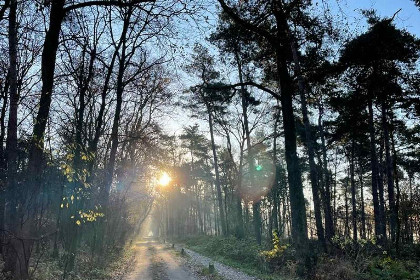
258, 179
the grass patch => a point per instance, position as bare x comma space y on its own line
241, 254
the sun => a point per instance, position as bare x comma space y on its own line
164, 179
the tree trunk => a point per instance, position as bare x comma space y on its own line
18, 251
256, 215
335, 192
346, 208
397, 185
34, 169
3, 161
84, 82
389, 174
110, 166
326, 194
11, 143
250, 158
297, 200
240, 233
49, 55
381, 190
240, 229
93, 145
362, 201
353, 192
216, 171
109, 174
379, 218
309, 143
275, 190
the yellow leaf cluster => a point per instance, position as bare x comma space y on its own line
90, 215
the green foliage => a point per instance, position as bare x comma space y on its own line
330, 268
383, 42
347, 260
387, 269
362, 247
113, 265
278, 249
230, 248
244, 254
367, 260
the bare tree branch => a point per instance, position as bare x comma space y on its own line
117, 3
4, 8
248, 25
249, 83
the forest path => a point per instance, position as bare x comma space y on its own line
155, 261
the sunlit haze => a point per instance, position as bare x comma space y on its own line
160, 139
164, 179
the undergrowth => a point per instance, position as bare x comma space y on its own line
345, 260
243, 254
113, 265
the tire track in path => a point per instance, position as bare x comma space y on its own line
155, 261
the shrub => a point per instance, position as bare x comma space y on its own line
332, 269
387, 269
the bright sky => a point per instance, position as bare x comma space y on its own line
408, 17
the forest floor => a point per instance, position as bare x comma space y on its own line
155, 260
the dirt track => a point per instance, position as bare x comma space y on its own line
155, 261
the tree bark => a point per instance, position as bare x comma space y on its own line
362, 201
309, 144
11, 142
275, 190
84, 82
250, 157
397, 185
49, 55
297, 201
93, 145
379, 217
256, 215
389, 173
216, 171
326, 194
240, 229
35, 161
109, 173
353, 192
3, 163
18, 251
346, 208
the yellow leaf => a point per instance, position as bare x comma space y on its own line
78, 222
